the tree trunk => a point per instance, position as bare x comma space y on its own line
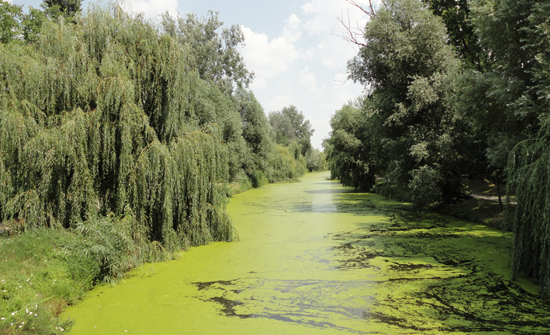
498, 193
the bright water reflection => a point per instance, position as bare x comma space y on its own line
317, 258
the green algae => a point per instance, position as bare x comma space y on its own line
317, 258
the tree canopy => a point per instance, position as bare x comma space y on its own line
110, 117
409, 67
290, 126
216, 56
454, 89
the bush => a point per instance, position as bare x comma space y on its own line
286, 164
258, 179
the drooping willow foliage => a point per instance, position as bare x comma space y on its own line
101, 117
287, 164
529, 173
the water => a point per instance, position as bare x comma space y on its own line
317, 258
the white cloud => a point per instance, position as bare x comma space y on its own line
305, 65
277, 102
327, 12
323, 22
151, 8
267, 58
292, 31
308, 80
258, 83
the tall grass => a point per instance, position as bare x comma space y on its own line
38, 278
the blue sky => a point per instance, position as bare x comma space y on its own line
292, 46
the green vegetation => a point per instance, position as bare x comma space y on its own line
120, 140
289, 126
291, 129
38, 278
327, 260
455, 90
43, 270
288, 164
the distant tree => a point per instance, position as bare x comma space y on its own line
351, 149
67, 8
10, 25
256, 130
32, 24
286, 163
217, 57
16, 26
315, 160
289, 125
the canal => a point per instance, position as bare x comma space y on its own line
318, 258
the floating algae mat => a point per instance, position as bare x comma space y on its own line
317, 258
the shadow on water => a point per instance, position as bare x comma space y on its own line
306, 312
413, 272
351, 202
439, 278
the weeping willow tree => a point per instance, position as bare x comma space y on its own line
100, 118
529, 173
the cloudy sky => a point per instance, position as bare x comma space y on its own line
293, 46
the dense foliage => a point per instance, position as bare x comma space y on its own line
521, 84
410, 135
290, 126
95, 121
454, 89
109, 114
350, 148
120, 140
216, 57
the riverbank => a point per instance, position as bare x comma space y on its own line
484, 209
38, 279
42, 271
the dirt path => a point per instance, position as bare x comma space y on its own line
492, 198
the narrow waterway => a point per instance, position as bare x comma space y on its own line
317, 258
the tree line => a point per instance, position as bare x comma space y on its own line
454, 89
108, 117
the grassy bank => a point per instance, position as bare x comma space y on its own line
43, 270
38, 278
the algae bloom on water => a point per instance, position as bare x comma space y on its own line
316, 258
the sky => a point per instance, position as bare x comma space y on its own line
294, 47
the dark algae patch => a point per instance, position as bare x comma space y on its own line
439, 276
316, 258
